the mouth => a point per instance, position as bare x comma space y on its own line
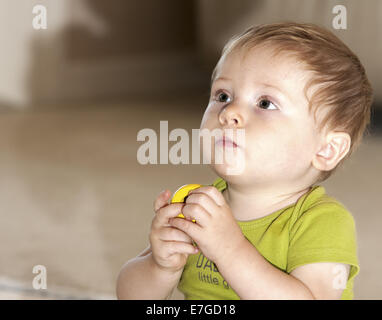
226, 143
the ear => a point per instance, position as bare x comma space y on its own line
335, 147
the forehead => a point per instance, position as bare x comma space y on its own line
269, 63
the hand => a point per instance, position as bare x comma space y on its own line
216, 231
170, 246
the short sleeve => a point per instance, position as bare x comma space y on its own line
220, 184
323, 233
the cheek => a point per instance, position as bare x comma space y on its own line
298, 152
210, 118
285, 151
209, 122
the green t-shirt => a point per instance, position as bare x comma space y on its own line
317, 228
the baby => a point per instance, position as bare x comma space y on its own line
304, 101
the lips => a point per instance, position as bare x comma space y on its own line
226, 142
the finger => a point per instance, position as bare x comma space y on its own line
203, 200
174, 234
195, 211
162, 199
212, 192
180, 247
190, 228
170, 211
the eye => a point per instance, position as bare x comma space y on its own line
265, 103
222, 96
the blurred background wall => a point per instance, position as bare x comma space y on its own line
73, 97
94, 49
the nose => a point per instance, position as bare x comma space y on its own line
231, 116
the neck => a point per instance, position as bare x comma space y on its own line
249, 204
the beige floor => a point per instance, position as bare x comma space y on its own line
74, 199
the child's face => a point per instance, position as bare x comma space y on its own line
264, 95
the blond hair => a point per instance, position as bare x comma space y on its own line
343, 88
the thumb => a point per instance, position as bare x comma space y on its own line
162, 199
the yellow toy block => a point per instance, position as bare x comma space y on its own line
180, 195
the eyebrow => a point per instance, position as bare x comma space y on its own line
221, 78
285, 95
265, 85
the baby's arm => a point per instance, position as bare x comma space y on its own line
326, 280
253, 277
141, 278
156, 271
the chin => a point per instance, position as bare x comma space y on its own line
225, 172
